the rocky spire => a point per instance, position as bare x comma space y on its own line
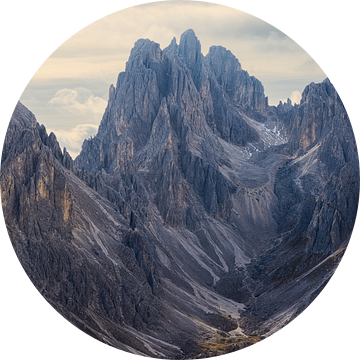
244, 90
144, 52
172, 50
319, 108
190, 49
220, 59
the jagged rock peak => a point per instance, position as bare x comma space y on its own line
67, 162
172, 50
189, 35
318, 91
287, 103
112, 95
219, 58
244, 90
144, 50
190, 48
52, 143
23, 117
111, 92
22, 120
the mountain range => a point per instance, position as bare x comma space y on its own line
199, 220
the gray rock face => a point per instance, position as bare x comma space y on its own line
244, 90
195, 210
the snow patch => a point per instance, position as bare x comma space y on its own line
271, 133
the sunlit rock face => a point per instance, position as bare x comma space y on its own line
199, 219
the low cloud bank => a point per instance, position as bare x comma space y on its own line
77, 105
295, 97
74, 138
79, 102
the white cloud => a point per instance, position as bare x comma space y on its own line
79, 102
73, 139
295, 97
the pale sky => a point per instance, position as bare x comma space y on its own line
68, 94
